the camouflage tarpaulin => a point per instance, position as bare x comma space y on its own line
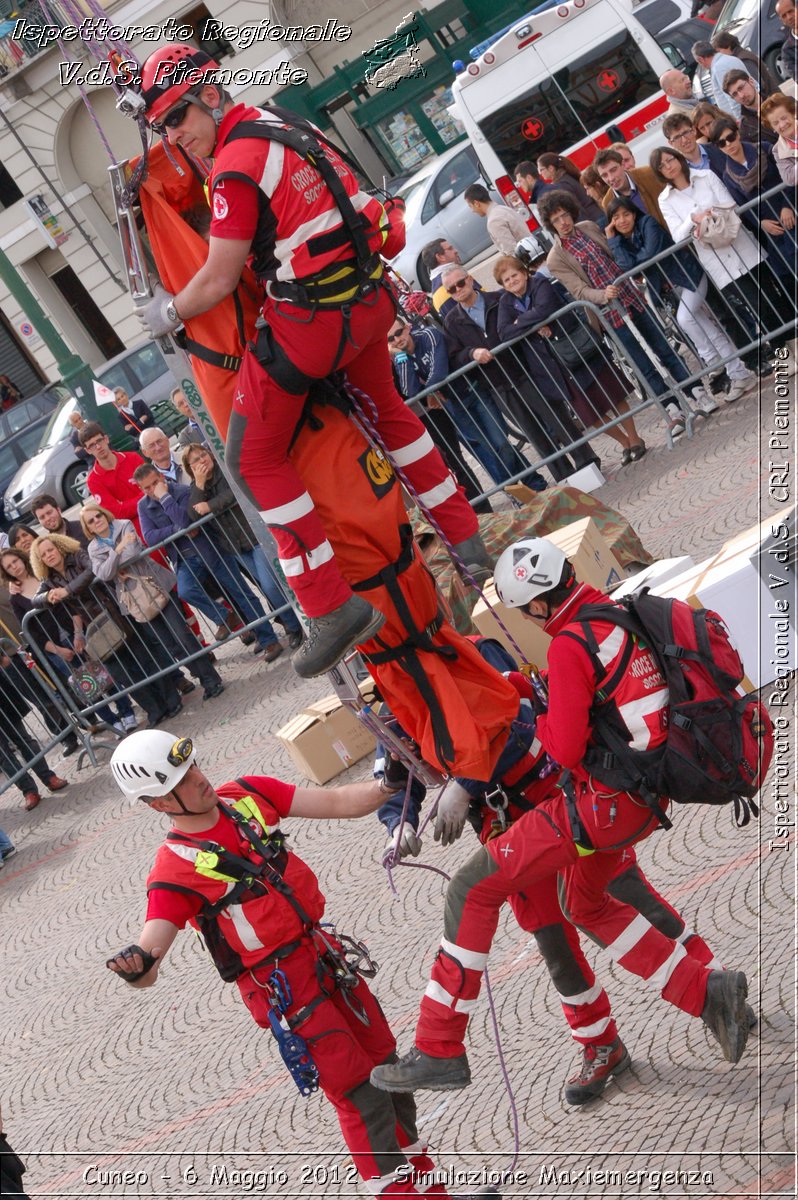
542, 514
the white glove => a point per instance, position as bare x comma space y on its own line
450, 817
408, 845
153, 316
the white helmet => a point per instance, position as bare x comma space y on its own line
151, 762
526, 570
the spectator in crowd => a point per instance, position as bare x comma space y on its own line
192, 432
134, 415
12, 1167
7, 850
596, 189
718, 64
418, 354
232, 534
781, 113
47, 512
788, 15
559, 172
506, 228
582, 262
639, 184
634, 238
743, 88
118, 558
44, 630
9, 393
163, 511
527, 181
110, 480
21, 537
726, 43
681, 134
154, 445
750, 172
599, 389
678, 89
435, 256
64, 570
627, 158
16, 699
688, 197
77, 421
476, 415
472, 334
704, 117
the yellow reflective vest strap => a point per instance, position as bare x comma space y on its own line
249, 810
206, 862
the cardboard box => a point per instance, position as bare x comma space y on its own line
325, 739
586, 479
593, 562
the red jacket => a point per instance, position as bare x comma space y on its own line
296, 206
641, 697
115, 489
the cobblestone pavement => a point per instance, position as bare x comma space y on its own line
178, 1087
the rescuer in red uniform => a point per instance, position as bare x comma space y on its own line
226, 870
582, 832
282, 198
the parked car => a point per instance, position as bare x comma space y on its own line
21, 429
51, 465
756, 25
678, 40
435, 208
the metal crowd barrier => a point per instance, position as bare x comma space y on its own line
91, 693
508, 399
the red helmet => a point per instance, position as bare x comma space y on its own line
169, 73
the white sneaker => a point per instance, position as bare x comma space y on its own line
703, 402
129, 722
739, 387
676, 421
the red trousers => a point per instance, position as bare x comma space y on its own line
265, 416
379, 1128
524, 862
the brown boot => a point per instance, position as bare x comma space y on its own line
56, 784
32, 799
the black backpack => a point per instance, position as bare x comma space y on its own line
720, 741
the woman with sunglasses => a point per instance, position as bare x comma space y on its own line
750, 173
734, 269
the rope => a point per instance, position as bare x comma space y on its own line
508, 1087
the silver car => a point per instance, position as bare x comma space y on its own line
435, 208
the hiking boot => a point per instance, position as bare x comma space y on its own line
476, 558
332, 636
599, 1065
32, 799
725, 1012
419, 1071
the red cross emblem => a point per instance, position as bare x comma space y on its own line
532, 129
608, 81
520, 572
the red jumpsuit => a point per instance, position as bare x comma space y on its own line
379, 1130
544, 841
267, 193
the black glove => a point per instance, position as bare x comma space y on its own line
132, 976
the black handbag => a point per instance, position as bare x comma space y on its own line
576, 346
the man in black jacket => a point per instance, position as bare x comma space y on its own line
471, 331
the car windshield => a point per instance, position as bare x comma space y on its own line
58, 428
413, 194
734, 12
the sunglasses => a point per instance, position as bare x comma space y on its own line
728, 140
396, 334
172, 119
456, 286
